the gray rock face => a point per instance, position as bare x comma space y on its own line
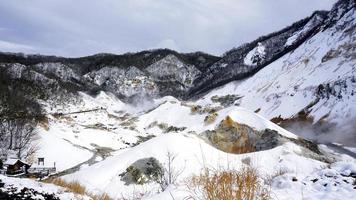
171, 69
122, 81
149, 73
143, 171
238, 63
233, 137
268, 139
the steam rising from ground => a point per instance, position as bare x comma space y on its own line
327, 132
141, 103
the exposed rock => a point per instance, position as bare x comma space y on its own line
195, 109
246, 161
226, 100
142, 139
170, 68
129, 123
209, 119
268, 139
142, 171
198, 109
167, 128
233, 137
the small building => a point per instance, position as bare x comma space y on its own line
14, 166
40, 169
40, 161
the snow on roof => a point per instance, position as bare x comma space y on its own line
12, 161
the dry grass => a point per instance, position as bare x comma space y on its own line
100, 197
279, 172
77, 188
73, 186
230, 185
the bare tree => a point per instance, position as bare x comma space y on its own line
17, 135
170, 173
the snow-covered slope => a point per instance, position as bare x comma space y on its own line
318, 78
102, 137
304, 74
194, 153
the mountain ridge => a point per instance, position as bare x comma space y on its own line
210, 66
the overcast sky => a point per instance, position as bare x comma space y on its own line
83, 27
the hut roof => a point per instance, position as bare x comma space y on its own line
12, 161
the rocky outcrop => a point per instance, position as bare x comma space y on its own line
142, 171
233, 137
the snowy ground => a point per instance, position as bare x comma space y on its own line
16, 185
193, 153
73, 141
97, 139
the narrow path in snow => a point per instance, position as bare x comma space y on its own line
99, 152
77, 112
340, 149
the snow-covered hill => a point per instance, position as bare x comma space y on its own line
167, 125
101, 137
316, 82
116, 123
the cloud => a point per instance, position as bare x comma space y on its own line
14, 47
82, 27
168, 43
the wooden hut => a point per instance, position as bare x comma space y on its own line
16, 166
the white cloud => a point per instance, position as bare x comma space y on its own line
82, 27
168, 43
14, 47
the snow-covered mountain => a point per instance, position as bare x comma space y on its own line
314, 83
306, 70
116, 123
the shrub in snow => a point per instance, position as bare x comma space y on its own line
229, 185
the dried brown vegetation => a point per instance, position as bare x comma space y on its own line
230, 185
74, 186
77, 188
